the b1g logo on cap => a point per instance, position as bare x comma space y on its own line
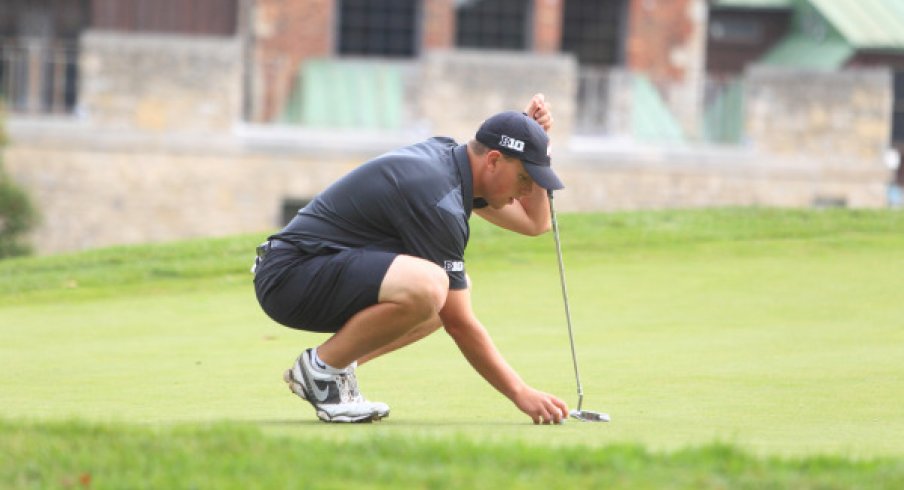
511, 143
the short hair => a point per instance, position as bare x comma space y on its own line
481, 149
478, 148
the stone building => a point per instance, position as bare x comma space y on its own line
147, 120
815, 36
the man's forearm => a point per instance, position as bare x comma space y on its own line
475, 343
528, 216
536, 207
478, 348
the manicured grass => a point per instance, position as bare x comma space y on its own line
129, 270
772, 333
240, 456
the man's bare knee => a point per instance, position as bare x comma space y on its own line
428, 288
437, 287
415, 283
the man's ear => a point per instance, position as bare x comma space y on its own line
493, 158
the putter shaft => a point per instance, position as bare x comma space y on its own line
574, 357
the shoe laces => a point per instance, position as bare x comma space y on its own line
345, 392
348, 386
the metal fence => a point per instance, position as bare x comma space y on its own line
594, 113
38, 77
897, 136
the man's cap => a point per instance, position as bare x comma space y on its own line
517, 135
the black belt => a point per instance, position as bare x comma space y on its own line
264, 248
274, 244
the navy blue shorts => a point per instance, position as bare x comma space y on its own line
319, 293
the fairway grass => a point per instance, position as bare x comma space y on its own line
771, 334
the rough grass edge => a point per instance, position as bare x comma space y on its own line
70, 454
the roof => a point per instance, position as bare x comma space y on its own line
802, 51
755, 4
866, 24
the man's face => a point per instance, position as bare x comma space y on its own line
508, 180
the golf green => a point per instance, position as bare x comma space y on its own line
779, 332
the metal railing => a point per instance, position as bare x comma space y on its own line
897, 136
594, 109
38, 76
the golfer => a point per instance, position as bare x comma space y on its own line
377, 259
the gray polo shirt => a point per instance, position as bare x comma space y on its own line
416, 200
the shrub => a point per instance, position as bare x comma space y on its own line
17, 214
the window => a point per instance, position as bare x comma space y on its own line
290, 208
378, 27
39, 54
591, 30
493, 24
192, 17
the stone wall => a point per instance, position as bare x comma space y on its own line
101, 190
459, 89
285, 33
94, 190
841, 118
159, 83
711, 178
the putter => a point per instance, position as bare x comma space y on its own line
579, 413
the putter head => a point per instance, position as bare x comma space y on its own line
589, 416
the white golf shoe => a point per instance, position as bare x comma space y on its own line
335, 397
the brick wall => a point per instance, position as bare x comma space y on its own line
547, 25
439, 24
196, 17
660, 34
667, 42
285, 33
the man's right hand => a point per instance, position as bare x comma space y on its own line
475, 343
543, 408
538, 110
